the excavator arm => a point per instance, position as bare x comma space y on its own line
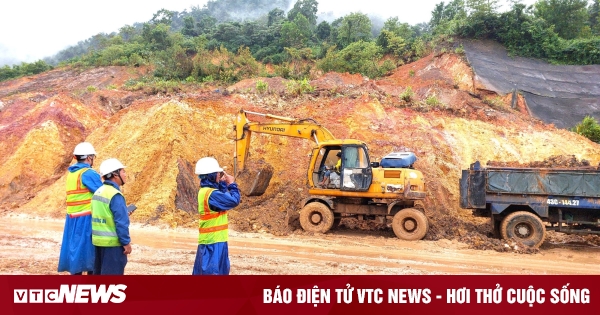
282, 126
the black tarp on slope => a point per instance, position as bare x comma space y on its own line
562, 95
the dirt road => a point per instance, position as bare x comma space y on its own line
32, 245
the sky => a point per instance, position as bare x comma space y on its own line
31, 30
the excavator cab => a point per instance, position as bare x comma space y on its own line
356, 170
354, 174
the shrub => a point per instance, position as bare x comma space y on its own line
460, 50
299, 87
588, 128
433, 101
284, 70
358, 57
262, 86
407, 95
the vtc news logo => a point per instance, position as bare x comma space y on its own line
75, 293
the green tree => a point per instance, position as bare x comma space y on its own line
206, 24
23, 69
174, 61
567, 16
128, 32
275, 16
296, 33
163, 16
482, 21
7, 72
189, 26
594, 13
391, 43
156, 35
228, 34
444, 13
403, 30
482, 6
354, 27
323, 30
515, 33
308, 8
358, 57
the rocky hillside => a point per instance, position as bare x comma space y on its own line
159, 137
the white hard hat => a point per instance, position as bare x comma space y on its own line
207, 165
84, 148
109, 166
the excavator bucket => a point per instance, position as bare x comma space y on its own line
255, 178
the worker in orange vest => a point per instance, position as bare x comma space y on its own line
218, 194
77, 251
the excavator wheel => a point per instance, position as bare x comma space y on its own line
525, 227
410, 224
316, 217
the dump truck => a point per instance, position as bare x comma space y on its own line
523, 203
363, 189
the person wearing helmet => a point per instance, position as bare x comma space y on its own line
327, 176
77, 251
218, 193
110, 221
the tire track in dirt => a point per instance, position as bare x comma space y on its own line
31, 246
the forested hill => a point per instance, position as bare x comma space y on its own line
297, 42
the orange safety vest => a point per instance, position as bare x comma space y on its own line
79, 197
213, 225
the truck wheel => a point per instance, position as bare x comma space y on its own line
410, 224
316, 217
525, 227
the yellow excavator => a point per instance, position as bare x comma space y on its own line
362, 189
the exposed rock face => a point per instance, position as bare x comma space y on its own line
160, 137
188, 184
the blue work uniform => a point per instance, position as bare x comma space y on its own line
77, 251
213, 259
111, 260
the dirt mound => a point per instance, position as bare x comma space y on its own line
555, 161
73, 80
338, 82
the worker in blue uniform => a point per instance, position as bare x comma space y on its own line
110, 221
77, 251
218, 193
